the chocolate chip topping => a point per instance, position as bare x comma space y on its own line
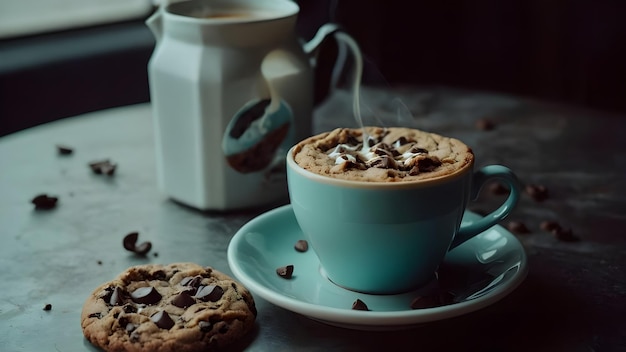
117, 297
162, 320
359, 305
130, 244
146, 295
210, 293
286, 272
301, 246
44, 202
183, 300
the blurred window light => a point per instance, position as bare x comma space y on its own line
29, 17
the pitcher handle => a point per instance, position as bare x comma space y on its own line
322, 33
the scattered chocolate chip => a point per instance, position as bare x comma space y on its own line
146, 295
359, 305
210, 293
64, 150
117, 297
162, 320
301, 246
130, 244
497, 188
485, 124
205, 326
517, 227
105, 167
44, 202
537, 192
48, 306
183, 300
155, 254
99, 262
286, 272
565, 235
549, 225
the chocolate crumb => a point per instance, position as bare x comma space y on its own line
485, 124
359, 305
44, 202
156, 254
64, 150
497, 188
565, 235
286, 272
130, 244
48, 306
517, 227
301, 246
549, 225
537, 192
105, 167
99, 262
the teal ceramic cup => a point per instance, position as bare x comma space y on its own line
386, 238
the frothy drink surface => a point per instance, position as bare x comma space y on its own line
393, 154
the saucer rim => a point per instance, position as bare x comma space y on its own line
358, 319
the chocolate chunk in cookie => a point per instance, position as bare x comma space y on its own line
175, 307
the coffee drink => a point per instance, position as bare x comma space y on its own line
376, 154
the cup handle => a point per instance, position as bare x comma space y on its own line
481, 177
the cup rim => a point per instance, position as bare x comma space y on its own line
287, 9
293, 165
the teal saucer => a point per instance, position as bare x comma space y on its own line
476, 274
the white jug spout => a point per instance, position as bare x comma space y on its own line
155, 23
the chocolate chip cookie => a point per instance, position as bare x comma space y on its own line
176, 307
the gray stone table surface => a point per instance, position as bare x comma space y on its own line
572, 300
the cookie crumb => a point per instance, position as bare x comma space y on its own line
286, 272
301, 246
47, 307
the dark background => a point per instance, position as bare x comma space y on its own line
562, 51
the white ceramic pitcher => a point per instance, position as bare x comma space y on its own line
231, 87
